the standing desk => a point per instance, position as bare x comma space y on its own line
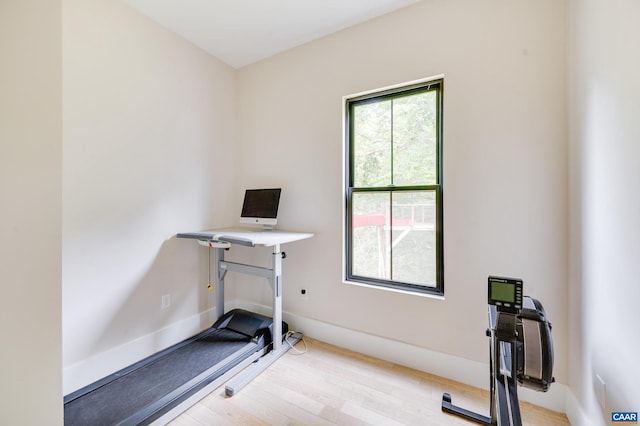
221, 240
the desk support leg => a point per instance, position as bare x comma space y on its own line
219, 286
279, 348
276, 281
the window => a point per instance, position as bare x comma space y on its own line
393, 188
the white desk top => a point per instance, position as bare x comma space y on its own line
248, 236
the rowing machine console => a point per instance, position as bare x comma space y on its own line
505, 294
521, 352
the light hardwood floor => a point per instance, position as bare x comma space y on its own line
333, 386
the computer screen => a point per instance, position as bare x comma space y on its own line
260, 206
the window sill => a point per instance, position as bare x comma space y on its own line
395, 290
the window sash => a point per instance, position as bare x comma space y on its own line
436, 189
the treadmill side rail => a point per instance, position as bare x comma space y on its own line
261, 364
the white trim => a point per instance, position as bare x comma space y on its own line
89, 370
393, 86
472, 373
452, 367
575, 411
393, 289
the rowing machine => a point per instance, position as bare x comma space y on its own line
521, 352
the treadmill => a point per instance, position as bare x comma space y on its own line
160, 387
163, 385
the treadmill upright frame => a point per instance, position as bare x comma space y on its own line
274, 276
220, 240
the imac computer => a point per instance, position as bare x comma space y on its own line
260, 207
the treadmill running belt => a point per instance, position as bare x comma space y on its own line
127, 395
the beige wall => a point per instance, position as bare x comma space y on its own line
505, 156
605, 233
30, 211
146, 114
148, 152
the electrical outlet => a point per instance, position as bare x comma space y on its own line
304, 293
600, 390
166, 301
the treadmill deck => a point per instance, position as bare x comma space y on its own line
144, 391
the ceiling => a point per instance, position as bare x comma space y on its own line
240, 32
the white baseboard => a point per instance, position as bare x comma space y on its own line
85, 372
452, 367
575, 411
462, 370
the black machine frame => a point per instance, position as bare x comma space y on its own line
509, 317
